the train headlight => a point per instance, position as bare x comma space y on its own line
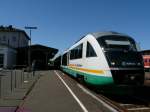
113, 63
132, 77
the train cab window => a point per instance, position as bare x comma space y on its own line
117, 43
76, 53
90, 51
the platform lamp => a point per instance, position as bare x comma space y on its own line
30, 28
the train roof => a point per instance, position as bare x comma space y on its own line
145, 52
100, 34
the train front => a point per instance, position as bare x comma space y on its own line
124, 60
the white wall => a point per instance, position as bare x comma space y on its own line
9, 56
9, 40
3, 51
14, 39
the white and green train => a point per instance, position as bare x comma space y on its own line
104, 58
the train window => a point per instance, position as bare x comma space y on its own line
76, 53
72, 54
80, 47
145, 60
64, 59
1, 60
117, 43
90, 51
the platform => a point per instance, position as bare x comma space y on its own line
56, 92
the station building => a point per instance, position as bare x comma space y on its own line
14, 50
11, 39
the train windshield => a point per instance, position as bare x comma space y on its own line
120, 51
117, 43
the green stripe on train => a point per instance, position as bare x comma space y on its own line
91, 79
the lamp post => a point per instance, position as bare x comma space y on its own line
29, 50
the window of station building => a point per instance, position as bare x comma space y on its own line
14, 38
0, 39
76, 53
4, 38
90, 51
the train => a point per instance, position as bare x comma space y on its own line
146, 59
104, 58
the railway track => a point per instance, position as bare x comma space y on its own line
131, 103
139, 102
135, 108
136, 101
134, 104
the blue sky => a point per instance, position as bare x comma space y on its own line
62, 22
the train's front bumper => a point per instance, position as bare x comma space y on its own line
128, 77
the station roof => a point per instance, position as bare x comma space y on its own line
10, 28
51, 51
37, 47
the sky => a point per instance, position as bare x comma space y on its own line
60, 23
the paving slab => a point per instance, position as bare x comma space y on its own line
9, 103
7, 109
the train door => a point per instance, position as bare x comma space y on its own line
91, 61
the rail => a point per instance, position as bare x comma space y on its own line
131, 103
